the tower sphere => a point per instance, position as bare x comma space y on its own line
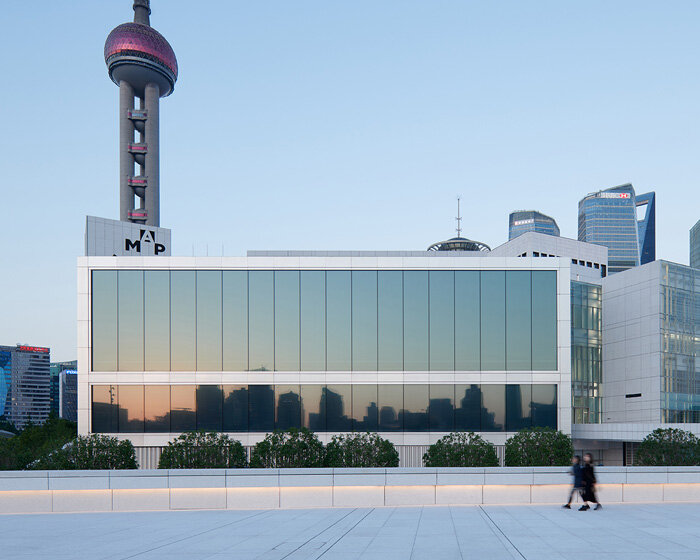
138, 54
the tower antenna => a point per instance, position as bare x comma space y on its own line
459, 219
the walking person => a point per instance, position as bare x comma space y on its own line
589, 481
576, 472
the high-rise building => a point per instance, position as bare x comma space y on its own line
143, 64
609, 218
695, 245
522, 221
57, 368
25, 384
68, 395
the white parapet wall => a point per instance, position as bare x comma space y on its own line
139, 490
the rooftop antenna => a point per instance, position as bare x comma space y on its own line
459, 219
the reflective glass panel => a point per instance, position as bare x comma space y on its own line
210, 400
390, 399
104, 320
157, 320
467, 408
544, 406
235, 320
415, 320
518, 320
493, 408
235, 411
544, 320
364, 408
442, 320
287, 320
467, 321
390, 320
261, 408
518, 400
338, 320
364, 320
131, 408
493, 320
209, 327
313, 320
130, 289
338, 404
183, 408
157, 405
287, 407
105, 410
313, 417
183, 333
415, 408
441, 411
261, 320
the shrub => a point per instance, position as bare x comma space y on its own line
361, 450
90, 452
539, 447
668, 447
203, 450
291, 448
461, 449
35, 441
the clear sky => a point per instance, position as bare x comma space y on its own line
341, 125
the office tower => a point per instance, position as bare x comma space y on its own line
647, 227
25, 391
522, 221
695, 245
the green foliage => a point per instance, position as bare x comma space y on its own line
668, 447
361, 450
290, 449
90, 452
35, 441
539, 447
7, 426
203, 450
461, 449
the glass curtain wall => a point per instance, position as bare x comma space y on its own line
586, 353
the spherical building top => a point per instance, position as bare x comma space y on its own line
459, 244
137, 53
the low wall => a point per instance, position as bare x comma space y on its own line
91, 491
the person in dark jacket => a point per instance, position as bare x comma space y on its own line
589, 481
576, 472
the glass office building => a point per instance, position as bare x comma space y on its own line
24, 384
695, 245
586, 352
55, 372
522, 221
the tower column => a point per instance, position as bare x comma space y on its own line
151, 101
126, 160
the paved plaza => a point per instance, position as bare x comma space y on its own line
645, 531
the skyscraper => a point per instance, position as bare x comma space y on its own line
609, 218
143, 64
522, 221
695, 245
25, 391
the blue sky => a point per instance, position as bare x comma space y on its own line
341, 125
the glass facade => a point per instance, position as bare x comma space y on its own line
586, 353
290, 320
321, 408
529, 220
695, 245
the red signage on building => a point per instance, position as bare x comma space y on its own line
33, 349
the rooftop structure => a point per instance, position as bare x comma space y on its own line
522, 221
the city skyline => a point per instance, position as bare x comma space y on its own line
313, 137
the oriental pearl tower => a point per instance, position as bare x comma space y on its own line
143, 64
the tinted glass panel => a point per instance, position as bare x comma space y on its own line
209, 320
415, 408
157, 320
390, 320
287, 407
235, 408
493, 320
441, 408
287, 320
183, 320
390, 399
364, 408
544, 406
338, 322
544, 320
235, 320
105, 411
313, 320
131, 408
364, 320
261, 320
130, 288
518, 399
183, 408
442, 320
104, 320
210, 400
467, 408
467, 321
338, 405
261, 408
415, 320
493, 408
518, 320
314, 418
157, 407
